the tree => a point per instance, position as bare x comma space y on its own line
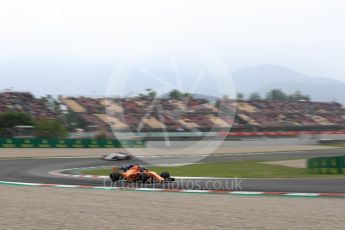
298, 96
49, 128
175, 94
141, 96
50, 102
151, 93
187, 96
255, 96
240, 96
9, 119
74, 120
102, 135
276, 95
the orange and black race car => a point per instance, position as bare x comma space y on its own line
136, 173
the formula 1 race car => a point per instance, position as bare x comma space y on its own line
117, 156
136, 173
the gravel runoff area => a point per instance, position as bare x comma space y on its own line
19, 153
54, 208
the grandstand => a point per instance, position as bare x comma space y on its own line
301, 115
147, 115
134, 113
24, 102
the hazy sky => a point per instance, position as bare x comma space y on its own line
46, 44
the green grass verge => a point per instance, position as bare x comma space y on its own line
244, 169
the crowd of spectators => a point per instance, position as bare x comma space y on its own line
94, 123
263, 113
91, 105
147, 114
24, 102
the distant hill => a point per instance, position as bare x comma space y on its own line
263, 78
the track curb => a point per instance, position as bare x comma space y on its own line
225, 192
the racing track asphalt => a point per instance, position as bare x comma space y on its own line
36, 170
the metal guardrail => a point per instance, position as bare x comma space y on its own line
277, 134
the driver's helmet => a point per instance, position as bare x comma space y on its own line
129, 166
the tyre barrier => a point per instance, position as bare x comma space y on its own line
327, 165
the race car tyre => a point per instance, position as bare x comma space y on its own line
143, 177
165, 175
115, 177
